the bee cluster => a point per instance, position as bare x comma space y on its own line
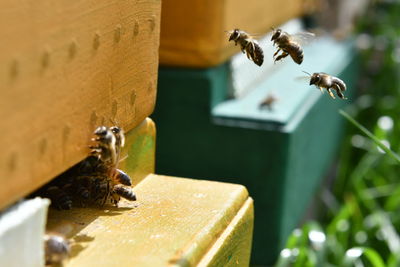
287, 44
96, 180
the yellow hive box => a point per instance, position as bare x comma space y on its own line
193, 32
68, 67
174, 222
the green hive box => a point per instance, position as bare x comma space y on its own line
280, 155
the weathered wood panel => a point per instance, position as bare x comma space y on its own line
68, 67
194, 34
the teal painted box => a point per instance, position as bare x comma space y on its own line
280, 155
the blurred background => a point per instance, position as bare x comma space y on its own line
326, 190
356, 222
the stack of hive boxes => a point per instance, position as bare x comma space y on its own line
70, 67
280, 155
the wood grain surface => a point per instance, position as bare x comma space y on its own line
194, 34
174, 222
68, 67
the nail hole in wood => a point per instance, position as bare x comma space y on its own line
117, 33
133, 97
96, 41
42, 147
73, 48
14, 69
136, 28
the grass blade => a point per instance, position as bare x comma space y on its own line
371, 136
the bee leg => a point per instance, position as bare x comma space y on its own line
106, 195
320, 88
277, 51
330, 92
249, 56
338, 91
282, 56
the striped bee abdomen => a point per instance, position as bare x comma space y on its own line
125, 192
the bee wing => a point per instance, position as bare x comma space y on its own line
253, 36
302, 37
302, 78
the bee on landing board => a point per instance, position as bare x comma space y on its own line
289, 45
323, 80
97, 179
57, 248
268, 102
107, 149
248, 45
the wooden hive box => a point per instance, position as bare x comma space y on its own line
68, 67
193, 32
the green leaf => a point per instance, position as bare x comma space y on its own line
371, 136
365, 254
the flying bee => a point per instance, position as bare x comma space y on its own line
57, 248
248, 45
289, 45
323, 80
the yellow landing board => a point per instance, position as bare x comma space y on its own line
174, 222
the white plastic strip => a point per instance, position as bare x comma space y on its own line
21, 233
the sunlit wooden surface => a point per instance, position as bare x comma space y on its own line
174, 222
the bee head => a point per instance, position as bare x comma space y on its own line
315, 78
234, 34
115, 129
276, 34
104, 135
101, 131
119, 134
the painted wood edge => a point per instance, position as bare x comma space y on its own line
139, 150
233, 247
201, 242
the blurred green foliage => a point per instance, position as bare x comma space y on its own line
361, 218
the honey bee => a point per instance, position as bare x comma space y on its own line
268, 102
57, 248
248, 45
323, 80
59, 196
97, 179
289, 45
112, 179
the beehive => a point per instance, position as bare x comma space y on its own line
68, 68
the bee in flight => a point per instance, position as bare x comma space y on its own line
248, 45
289, 45
323, 80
